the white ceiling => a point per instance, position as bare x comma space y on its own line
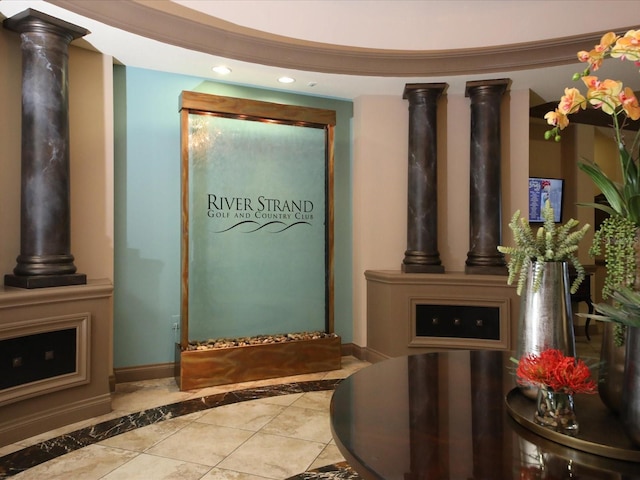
392, 24
419, 24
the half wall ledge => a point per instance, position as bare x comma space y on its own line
41, 329
410, 313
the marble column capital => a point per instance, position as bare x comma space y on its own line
33, 21
477, 88
423, 91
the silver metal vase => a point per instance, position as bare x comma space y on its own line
611, 369
630, 405
546, 317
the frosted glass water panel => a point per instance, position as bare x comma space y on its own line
257, 255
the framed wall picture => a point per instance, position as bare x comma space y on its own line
541, 190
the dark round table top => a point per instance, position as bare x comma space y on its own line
443, 416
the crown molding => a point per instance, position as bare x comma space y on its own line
173, 24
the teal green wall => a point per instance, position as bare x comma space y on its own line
147, 208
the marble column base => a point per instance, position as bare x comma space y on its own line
421, 262
43, 281
422, 268
486, 269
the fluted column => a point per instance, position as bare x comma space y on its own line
422, 254
485, 201
45, 258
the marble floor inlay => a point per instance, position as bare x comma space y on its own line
338, 471
273, 429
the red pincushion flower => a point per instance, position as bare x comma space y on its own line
552, 370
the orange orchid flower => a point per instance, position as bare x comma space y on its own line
595, 57
630, 104
603, 94
557, 119
628, 46
572, 101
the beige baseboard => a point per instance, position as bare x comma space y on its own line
25, 426
373, 356
351, 349
144, 372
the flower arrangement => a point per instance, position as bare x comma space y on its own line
621, 104
550, 243
558, 379
552, 370
617, 234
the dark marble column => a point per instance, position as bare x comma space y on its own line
45, 259
422, 254
485, 202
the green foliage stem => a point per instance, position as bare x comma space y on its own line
617, 235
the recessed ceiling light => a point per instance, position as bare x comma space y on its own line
222, 70
286, 80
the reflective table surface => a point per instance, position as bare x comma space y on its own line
443, 416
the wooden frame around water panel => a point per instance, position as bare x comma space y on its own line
194, 102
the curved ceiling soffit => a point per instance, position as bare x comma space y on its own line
171, 23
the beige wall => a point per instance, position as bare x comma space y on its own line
380, 183
606, 154
380, 143
91, 158
10, 99
91, 83
544, 154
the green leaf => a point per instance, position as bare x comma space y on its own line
634, 208
599, 206
624, 310
606, 186
629, 170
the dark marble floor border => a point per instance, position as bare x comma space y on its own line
337, 471
36, 454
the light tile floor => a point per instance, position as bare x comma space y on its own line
269, 438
